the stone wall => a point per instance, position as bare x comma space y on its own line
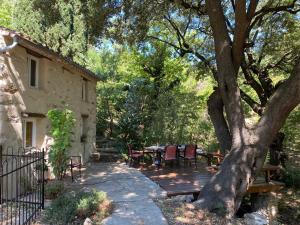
58, 87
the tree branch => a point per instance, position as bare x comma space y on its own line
227, 74
267, 9
200, 8
241, 32
164, 41
256, 107
254, 84
279, 62
282, 102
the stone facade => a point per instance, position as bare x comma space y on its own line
58, 86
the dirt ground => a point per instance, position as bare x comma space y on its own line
179, 213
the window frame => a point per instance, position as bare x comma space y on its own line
31, 57
84, 90
33, 144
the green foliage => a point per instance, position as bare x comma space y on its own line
150, 96
291, 176
25, 184
89, 203
67, 207
62, 124
6, 11
67, 27
291, 130
53, 189
41, 167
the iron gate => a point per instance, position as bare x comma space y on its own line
21, 185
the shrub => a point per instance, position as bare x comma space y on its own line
291, 176
62, 123
53, 189
73, 208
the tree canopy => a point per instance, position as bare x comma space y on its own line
247, 49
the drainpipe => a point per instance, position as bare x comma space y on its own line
10, 47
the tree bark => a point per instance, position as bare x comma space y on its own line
216, 113
224, 192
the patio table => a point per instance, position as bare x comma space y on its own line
157, 150
208, 155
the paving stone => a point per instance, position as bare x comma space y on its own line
130, 191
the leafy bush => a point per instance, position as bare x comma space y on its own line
89, 203
62, 123
291, 176
73, 208
53, 189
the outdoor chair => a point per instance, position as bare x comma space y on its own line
170, 153
75, 162
189, 153
217, 157
134, 155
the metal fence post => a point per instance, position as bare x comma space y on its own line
43, 178
1, 173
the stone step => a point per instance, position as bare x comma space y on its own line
104, 145
107, 157
108, 150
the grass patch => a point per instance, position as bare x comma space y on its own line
74, 207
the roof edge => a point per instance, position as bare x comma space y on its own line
27, 42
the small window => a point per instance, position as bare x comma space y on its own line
33, 72
84, 128
29, 133
84, 90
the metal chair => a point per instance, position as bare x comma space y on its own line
170, 153
75, 164
134, 155
189, 153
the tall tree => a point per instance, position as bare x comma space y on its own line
219, 34
67, 27
6, 11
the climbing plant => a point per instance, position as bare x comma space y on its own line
62, 123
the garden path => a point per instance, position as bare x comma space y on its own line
130, 191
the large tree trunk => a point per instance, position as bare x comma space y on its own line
216, 113
224, 192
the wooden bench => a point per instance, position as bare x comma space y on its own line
258, 186
211, 156
268, 169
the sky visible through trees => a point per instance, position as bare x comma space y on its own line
162, 63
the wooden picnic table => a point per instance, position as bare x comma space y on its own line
210, 156
157, 150
267, 169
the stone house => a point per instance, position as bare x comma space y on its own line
35, 79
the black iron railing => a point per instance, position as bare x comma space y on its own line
21, 185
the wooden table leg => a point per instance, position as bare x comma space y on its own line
267, 176
209, 160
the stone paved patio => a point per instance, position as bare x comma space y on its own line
130, 190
